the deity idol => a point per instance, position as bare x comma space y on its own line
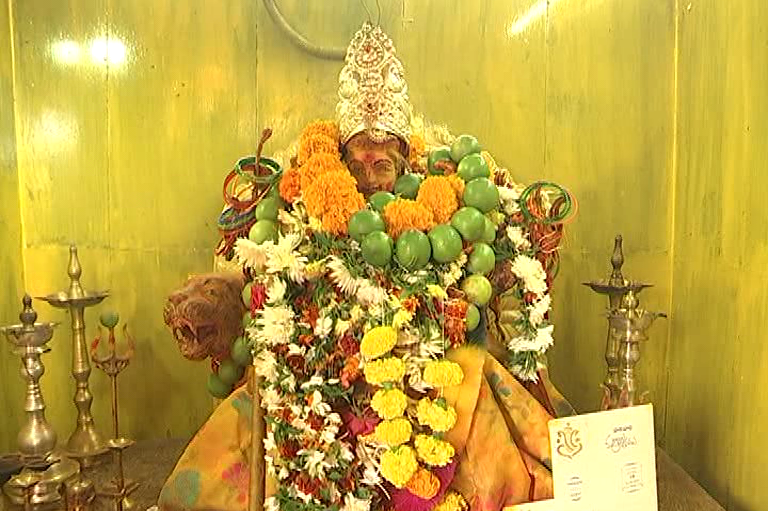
397, 296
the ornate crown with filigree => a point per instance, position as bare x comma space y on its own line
373, 95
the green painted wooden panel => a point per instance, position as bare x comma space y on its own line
718, 357
11, 267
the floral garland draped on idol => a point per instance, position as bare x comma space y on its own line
355, 301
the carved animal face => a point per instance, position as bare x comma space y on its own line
206, 314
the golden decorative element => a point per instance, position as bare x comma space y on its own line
85, 441
568, 442
29, 340
373, 94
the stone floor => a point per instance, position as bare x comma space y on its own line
151, 462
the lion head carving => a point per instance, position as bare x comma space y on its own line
206, 314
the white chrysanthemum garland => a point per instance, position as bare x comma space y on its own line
526, 350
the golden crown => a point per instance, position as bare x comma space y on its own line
373, 95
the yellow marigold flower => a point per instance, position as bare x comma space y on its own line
328, 128
315, 269
384, 370
290, 185
333, 198
443, 373
399, 465
389, 403
401, 318
437, 195
317, 143
458, 185
452, 501
317, 165
424, 484
436, 291
433, 451
439, 418
378, 341
393, 432
403, 214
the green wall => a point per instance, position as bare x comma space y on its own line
128, 114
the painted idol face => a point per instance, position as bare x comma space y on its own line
375, 165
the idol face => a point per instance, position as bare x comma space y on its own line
375, 165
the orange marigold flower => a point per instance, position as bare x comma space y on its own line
403, 214
333, 198
290, 185
328, 128
317, 143
439, 196
416, 154
423, 484
317, 165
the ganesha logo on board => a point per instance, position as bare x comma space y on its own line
568, 442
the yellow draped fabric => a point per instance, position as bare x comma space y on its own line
501, 437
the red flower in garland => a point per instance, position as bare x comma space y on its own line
258, 298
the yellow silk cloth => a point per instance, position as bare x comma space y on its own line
501, 439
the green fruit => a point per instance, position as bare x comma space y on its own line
407, 186
489, 234
379, 200
247, 295
478, 289
241, 352
365, 222
267, 209
472, 320
446, 243
218, 388
413, 249
229, 372
262, 231
464, 145
472, 166
469, 222
109, 319
482, 260
482, 194
377, 248
247, 316
436, 155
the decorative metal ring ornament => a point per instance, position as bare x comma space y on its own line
298, 39
562, 206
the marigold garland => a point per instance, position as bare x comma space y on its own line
290, 185
317, 143
317, 165
424, 484
393, 432
399, 465
333, 198
385, 370
389, 403
328, 128
401, 215
439, 418
452, 501
378, 341
439, 196
443, 373
433, 451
